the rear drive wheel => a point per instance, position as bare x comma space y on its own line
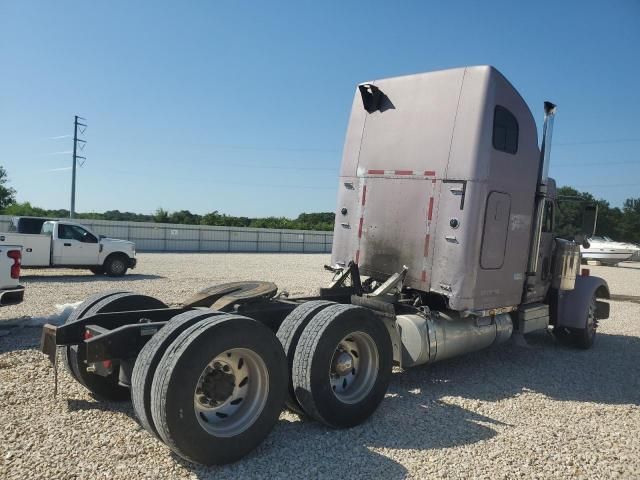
107, 387
219, 389
77, 314
342, 365
289, 334
149, 358
116, 265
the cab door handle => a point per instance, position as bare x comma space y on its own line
67, 244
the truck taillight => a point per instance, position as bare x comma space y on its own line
17, 257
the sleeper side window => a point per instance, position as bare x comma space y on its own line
505, 130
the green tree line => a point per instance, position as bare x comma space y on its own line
621, 224
304, 221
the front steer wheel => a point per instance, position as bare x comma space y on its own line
582, 338
342, 365
219, 389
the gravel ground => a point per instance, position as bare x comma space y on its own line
544, 412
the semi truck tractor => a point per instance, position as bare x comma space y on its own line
66, 244
444, 244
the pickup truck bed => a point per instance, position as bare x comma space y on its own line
36, 249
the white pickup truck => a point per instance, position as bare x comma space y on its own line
64, 244
11, 292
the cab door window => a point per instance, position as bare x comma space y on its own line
73, 232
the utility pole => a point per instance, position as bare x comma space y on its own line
83, 126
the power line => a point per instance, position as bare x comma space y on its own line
594, 142
595, 164
612, 185
223, 146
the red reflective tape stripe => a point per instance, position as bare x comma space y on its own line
429, 173
426, 245
430, 212
403, 172
357, 256
424, 275
364, 194
360, 227
376, 172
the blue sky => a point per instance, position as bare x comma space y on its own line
241, 107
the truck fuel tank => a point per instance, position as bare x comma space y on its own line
437, 336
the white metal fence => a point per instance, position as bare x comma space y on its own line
168, 237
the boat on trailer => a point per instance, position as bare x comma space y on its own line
607, 251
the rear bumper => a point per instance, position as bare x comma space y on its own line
11, 296
132, 262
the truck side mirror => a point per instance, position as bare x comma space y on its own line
589, 218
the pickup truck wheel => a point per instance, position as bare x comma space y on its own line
80, 312
102, 387
97, 270
149, 358
342, 365
219, 389
289, 334
116, 265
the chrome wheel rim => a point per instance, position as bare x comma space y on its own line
231, 392
354, 367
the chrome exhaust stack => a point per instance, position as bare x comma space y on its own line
543, 175
545, 148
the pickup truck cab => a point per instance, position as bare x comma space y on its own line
65, 244
11, 292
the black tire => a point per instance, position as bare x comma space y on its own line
313, 363
116, 265
80, 312
582, 338
97, 270
173, 393
108, 388
289, 334
149, 358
